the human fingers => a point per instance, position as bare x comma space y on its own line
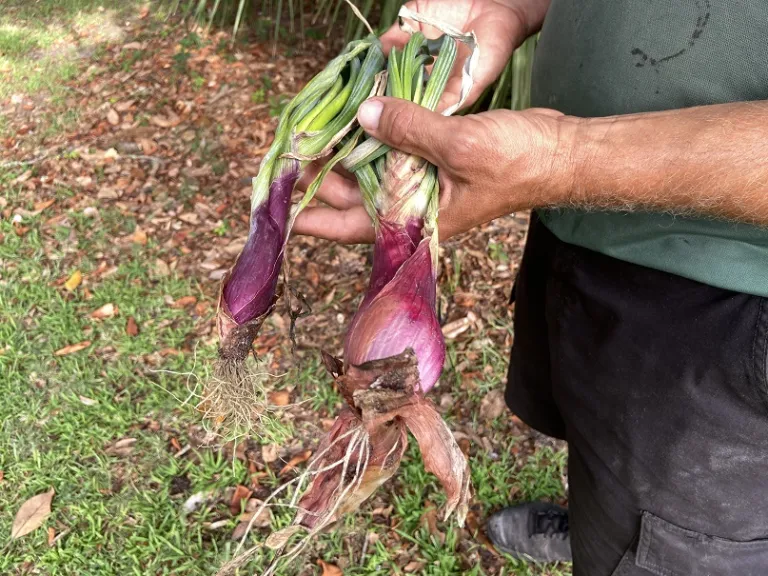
352, 226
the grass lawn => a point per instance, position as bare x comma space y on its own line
102, 349
122, 513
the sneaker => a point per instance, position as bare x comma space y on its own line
536, 532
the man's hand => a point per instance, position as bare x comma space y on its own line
500, 26
705, 160
488, 164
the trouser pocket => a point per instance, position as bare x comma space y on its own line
665, 549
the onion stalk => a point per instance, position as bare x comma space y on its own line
394, 349
311, 125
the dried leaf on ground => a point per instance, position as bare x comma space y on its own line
261, 515
258, 518
88, 401
278, 539
329, 569
241, 493
43, 204
185, 301
107, 311
72, 348
165, 121
74, 280
161, 268
139, 236
413, 566
131, 328
32, 514
280, 398
269, 453
123, 447
113, 117
300, 458
493, 405
453, 329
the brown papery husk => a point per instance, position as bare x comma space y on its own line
363, 450
385, 402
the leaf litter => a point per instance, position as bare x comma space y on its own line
172, 148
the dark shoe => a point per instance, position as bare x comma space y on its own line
536, 532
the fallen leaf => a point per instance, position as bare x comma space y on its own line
144, 12
493, 405
131, 328
383, 512
51, 536
278, 539
139, 236
161, 268
124, 106
453, 329
185, 301
88, 401
72, 348
329, 569
107, 311
279, 398
300, 458
32, 514
42, 205
269, 452
263, 515
74, 280
241, 493
107, 193
113, 117
147, 146
122, 447
413, 566
475, 528
164, 122
429, 521
259, 517
2, 475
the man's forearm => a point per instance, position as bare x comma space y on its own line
710, 160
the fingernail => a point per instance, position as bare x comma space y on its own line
369, 114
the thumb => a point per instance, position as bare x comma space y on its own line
406, 126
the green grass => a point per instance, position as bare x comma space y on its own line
59, 414
44, 43
119, 515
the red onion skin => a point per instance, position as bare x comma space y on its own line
394, 245
401, 315
251, 286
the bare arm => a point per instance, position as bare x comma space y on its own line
710, 160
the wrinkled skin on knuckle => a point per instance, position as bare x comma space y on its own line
466, 147
402, 125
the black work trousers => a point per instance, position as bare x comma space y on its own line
660, 386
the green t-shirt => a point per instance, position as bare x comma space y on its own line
605, 57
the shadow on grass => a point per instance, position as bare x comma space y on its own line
41, 42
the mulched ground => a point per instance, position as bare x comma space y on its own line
170, 127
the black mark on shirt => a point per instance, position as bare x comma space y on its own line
704, 9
